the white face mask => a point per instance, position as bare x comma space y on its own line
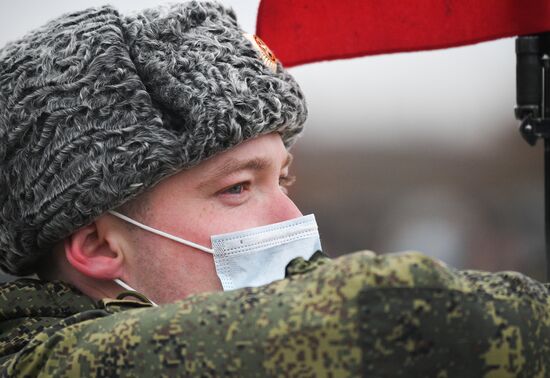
256, 256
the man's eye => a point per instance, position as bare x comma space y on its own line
235, 189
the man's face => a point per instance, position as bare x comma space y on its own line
235, 190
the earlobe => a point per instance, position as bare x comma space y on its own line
92, 254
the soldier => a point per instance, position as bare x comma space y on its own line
170, 117
144, 159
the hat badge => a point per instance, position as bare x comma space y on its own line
269, 59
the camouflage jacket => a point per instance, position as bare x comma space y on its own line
399, 315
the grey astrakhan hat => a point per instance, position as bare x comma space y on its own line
96, 107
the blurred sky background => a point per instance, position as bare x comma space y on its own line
402, 151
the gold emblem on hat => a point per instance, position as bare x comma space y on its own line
266, 54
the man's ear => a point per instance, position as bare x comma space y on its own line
94, 253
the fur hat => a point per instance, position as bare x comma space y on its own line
96, 107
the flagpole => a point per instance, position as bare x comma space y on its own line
533, 108
547, 204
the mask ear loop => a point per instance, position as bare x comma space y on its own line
161, 233
157, 232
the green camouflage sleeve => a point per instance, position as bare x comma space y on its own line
399, 315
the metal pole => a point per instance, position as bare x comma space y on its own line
533, 108
547, 204
545, 106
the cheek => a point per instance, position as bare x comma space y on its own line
191, 221
273, 207
193, 272
174, 271
211, 217
237, 219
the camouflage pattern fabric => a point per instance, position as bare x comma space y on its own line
398, 315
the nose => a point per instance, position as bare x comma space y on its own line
284, 209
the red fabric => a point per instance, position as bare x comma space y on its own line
303, 31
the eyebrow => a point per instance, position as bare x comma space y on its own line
235, 165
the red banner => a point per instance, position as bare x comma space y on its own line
304, 31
